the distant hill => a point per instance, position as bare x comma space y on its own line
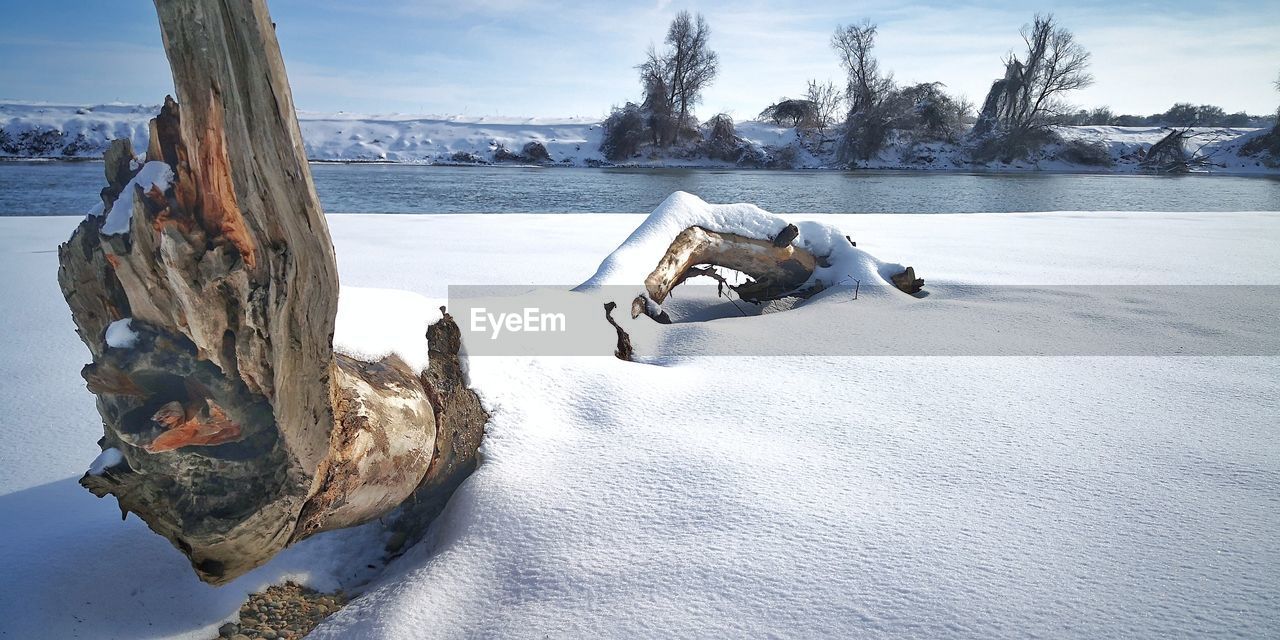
31, 131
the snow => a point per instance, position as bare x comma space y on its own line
632, 261
78, 131
696, 496
72, 131
636, 257
154, 174
105, 460
437, 139
120, 334
71, 568
375, 323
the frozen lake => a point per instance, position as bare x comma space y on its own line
63, 188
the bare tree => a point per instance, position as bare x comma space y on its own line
675, 77
826, 103
1029, 96
966, 109
658, 111
854, 44
1268, 144
867, 125
1278, 109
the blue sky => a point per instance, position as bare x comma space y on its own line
556, 58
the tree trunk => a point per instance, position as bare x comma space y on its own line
206, 293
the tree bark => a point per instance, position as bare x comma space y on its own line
776, 267
238, 429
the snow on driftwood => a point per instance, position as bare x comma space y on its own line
153, 175
636, 257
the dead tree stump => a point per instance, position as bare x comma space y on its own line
206, 293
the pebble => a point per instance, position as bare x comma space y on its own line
282, 612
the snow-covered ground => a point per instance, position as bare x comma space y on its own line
60, 131
692, 496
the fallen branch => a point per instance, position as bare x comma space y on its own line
775, 268
623, 351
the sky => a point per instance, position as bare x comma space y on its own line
560, 58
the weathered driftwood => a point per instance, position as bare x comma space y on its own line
907, 282
240, 430
775, 268
623, 351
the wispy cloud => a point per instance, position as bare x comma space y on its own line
562, 57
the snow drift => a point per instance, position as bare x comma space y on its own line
1069, 497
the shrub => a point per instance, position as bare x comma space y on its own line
929, 112
750, 156
1084, 152
36, 142
624, 132
466, 156
923, 111
1265, 146
1012, 145
722, 142
865, 133
535, 151
790, 112
783, 158
501, 154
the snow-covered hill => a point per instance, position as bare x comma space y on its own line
78, 132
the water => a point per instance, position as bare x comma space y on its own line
54, 188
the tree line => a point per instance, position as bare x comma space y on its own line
858, 120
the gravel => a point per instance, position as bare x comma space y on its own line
282, 612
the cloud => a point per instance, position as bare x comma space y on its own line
562, 57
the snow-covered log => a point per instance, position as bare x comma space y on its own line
778, 259
775, 266
206, 291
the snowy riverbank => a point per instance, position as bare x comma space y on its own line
712, 496
71, 132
